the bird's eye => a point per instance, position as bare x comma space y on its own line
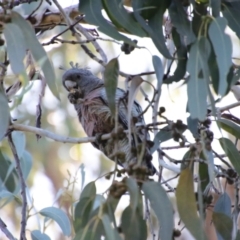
78, 77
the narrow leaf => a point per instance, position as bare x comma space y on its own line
109, 231
4, 116
19, 141
133, 191
110, 82
121, 18
223, 224
37, 235
196, 86
16, 47
181, 22
37, 51
161, 206
154, 26
229, 127
232, 153
223, 204
223, 49
59, 217
92, 9
187, 205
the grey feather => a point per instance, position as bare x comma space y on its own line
95, 116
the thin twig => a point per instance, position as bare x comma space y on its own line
233, 105
23, 188
4, 229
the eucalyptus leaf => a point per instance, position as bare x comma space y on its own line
223, 49
229, 127
19, 141
110, 82
109, 231
59, 217
37, 235
232, 153
161, 206
187, 205
4, 116
133, 191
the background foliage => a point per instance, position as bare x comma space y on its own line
193, 196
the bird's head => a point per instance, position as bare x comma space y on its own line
81, 79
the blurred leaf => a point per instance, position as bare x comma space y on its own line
223, 49
223, 224
231, 11
181, 51
83, 208
110, 82
82, 168
133, 192
154, 26
229, 127
213, 69
232, 153
138, 229
193, 126
4, 116
59, 217
181, 22
5, 194
223, 204
158, 67
16, 46
216, 7
92, 9
98, 201
121, 18
187, 205
26, 164
37, 51
109, 231
95, 232
37, 235
19, 141
203, 174
161, 206
163, 135
8, 177
196, 86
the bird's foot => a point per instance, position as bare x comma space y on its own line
74, 95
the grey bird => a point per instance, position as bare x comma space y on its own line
88, 94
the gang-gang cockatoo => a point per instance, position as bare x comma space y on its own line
88, 94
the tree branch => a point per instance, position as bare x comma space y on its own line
23, 188
4, 229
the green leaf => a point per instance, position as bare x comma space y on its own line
84, 207
231, 11
223, 49
154, 26
158, 67
163, 135
216, 7
92, 9
4, 116
37, 235
181, 22
19, 141
37, 51
138, 229
229, 127
232, 153
161, 206
181, 51
187, 205
109, 231
193, 126
203, 174
59, 217
223, 205
133, 191
26, 164
8, 177
196, 85
121, 18
223, 224
16, 47
110, 82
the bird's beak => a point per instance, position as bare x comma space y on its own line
70, 84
